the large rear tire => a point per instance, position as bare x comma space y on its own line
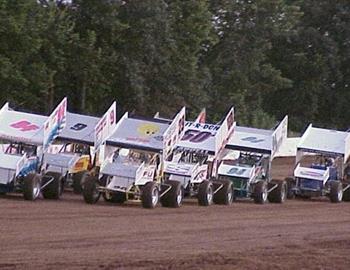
78, 181
150, 195
90, 191
31, 186
173, 198
260, 192
336, 191
54, 189
225, 194
205, 193
290, 185
279, 194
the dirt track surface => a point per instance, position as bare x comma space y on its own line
69, 234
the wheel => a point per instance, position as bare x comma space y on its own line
260, 192
290, 185
173, 198
279, 194
336, 191
205, 193
225, 194
115, 197
31, 186
52, 190
150, 195
346, 193
78, 180
90, 191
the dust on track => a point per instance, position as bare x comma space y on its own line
73, 235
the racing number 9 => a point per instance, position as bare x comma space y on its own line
196, 136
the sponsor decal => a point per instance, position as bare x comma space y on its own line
148, 130
230, 120
196, 136
105, 126
308, 173
24, 126
236, 171
78, 127
252, 139
209, 127
178, 169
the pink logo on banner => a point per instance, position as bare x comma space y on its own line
24, 126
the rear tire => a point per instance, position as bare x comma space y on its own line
336, 191
78, 181
150, 195
205, 193
260, 192
54, 189
279, 194
90, 191
225, 195
31, 186
290, 185
173, 198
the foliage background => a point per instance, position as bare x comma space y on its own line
268, 58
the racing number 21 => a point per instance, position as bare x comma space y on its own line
196, 136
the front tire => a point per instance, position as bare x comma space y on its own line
346, 194
174, 196
54, 189
260, 192
279, 194
336, 191
31, 186
90, 192
78, 181
115, 197
225, 195
205, 193
150, 195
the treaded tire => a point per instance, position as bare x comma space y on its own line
31, 186
225, 195
260, 192
290, 185
205, 193
53, 190
150, 195
336, 191
78, 181
115, 197
90, 192
173, 198
279, 194
346, 194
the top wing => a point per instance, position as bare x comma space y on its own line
326, 141
21, 127
259, 140
79, 128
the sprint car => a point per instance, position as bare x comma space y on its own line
247, 163
131, 155
192, 167
26, 137
322, 165
76, 157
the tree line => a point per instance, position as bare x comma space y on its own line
268, 58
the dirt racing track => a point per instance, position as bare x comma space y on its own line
69, 234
